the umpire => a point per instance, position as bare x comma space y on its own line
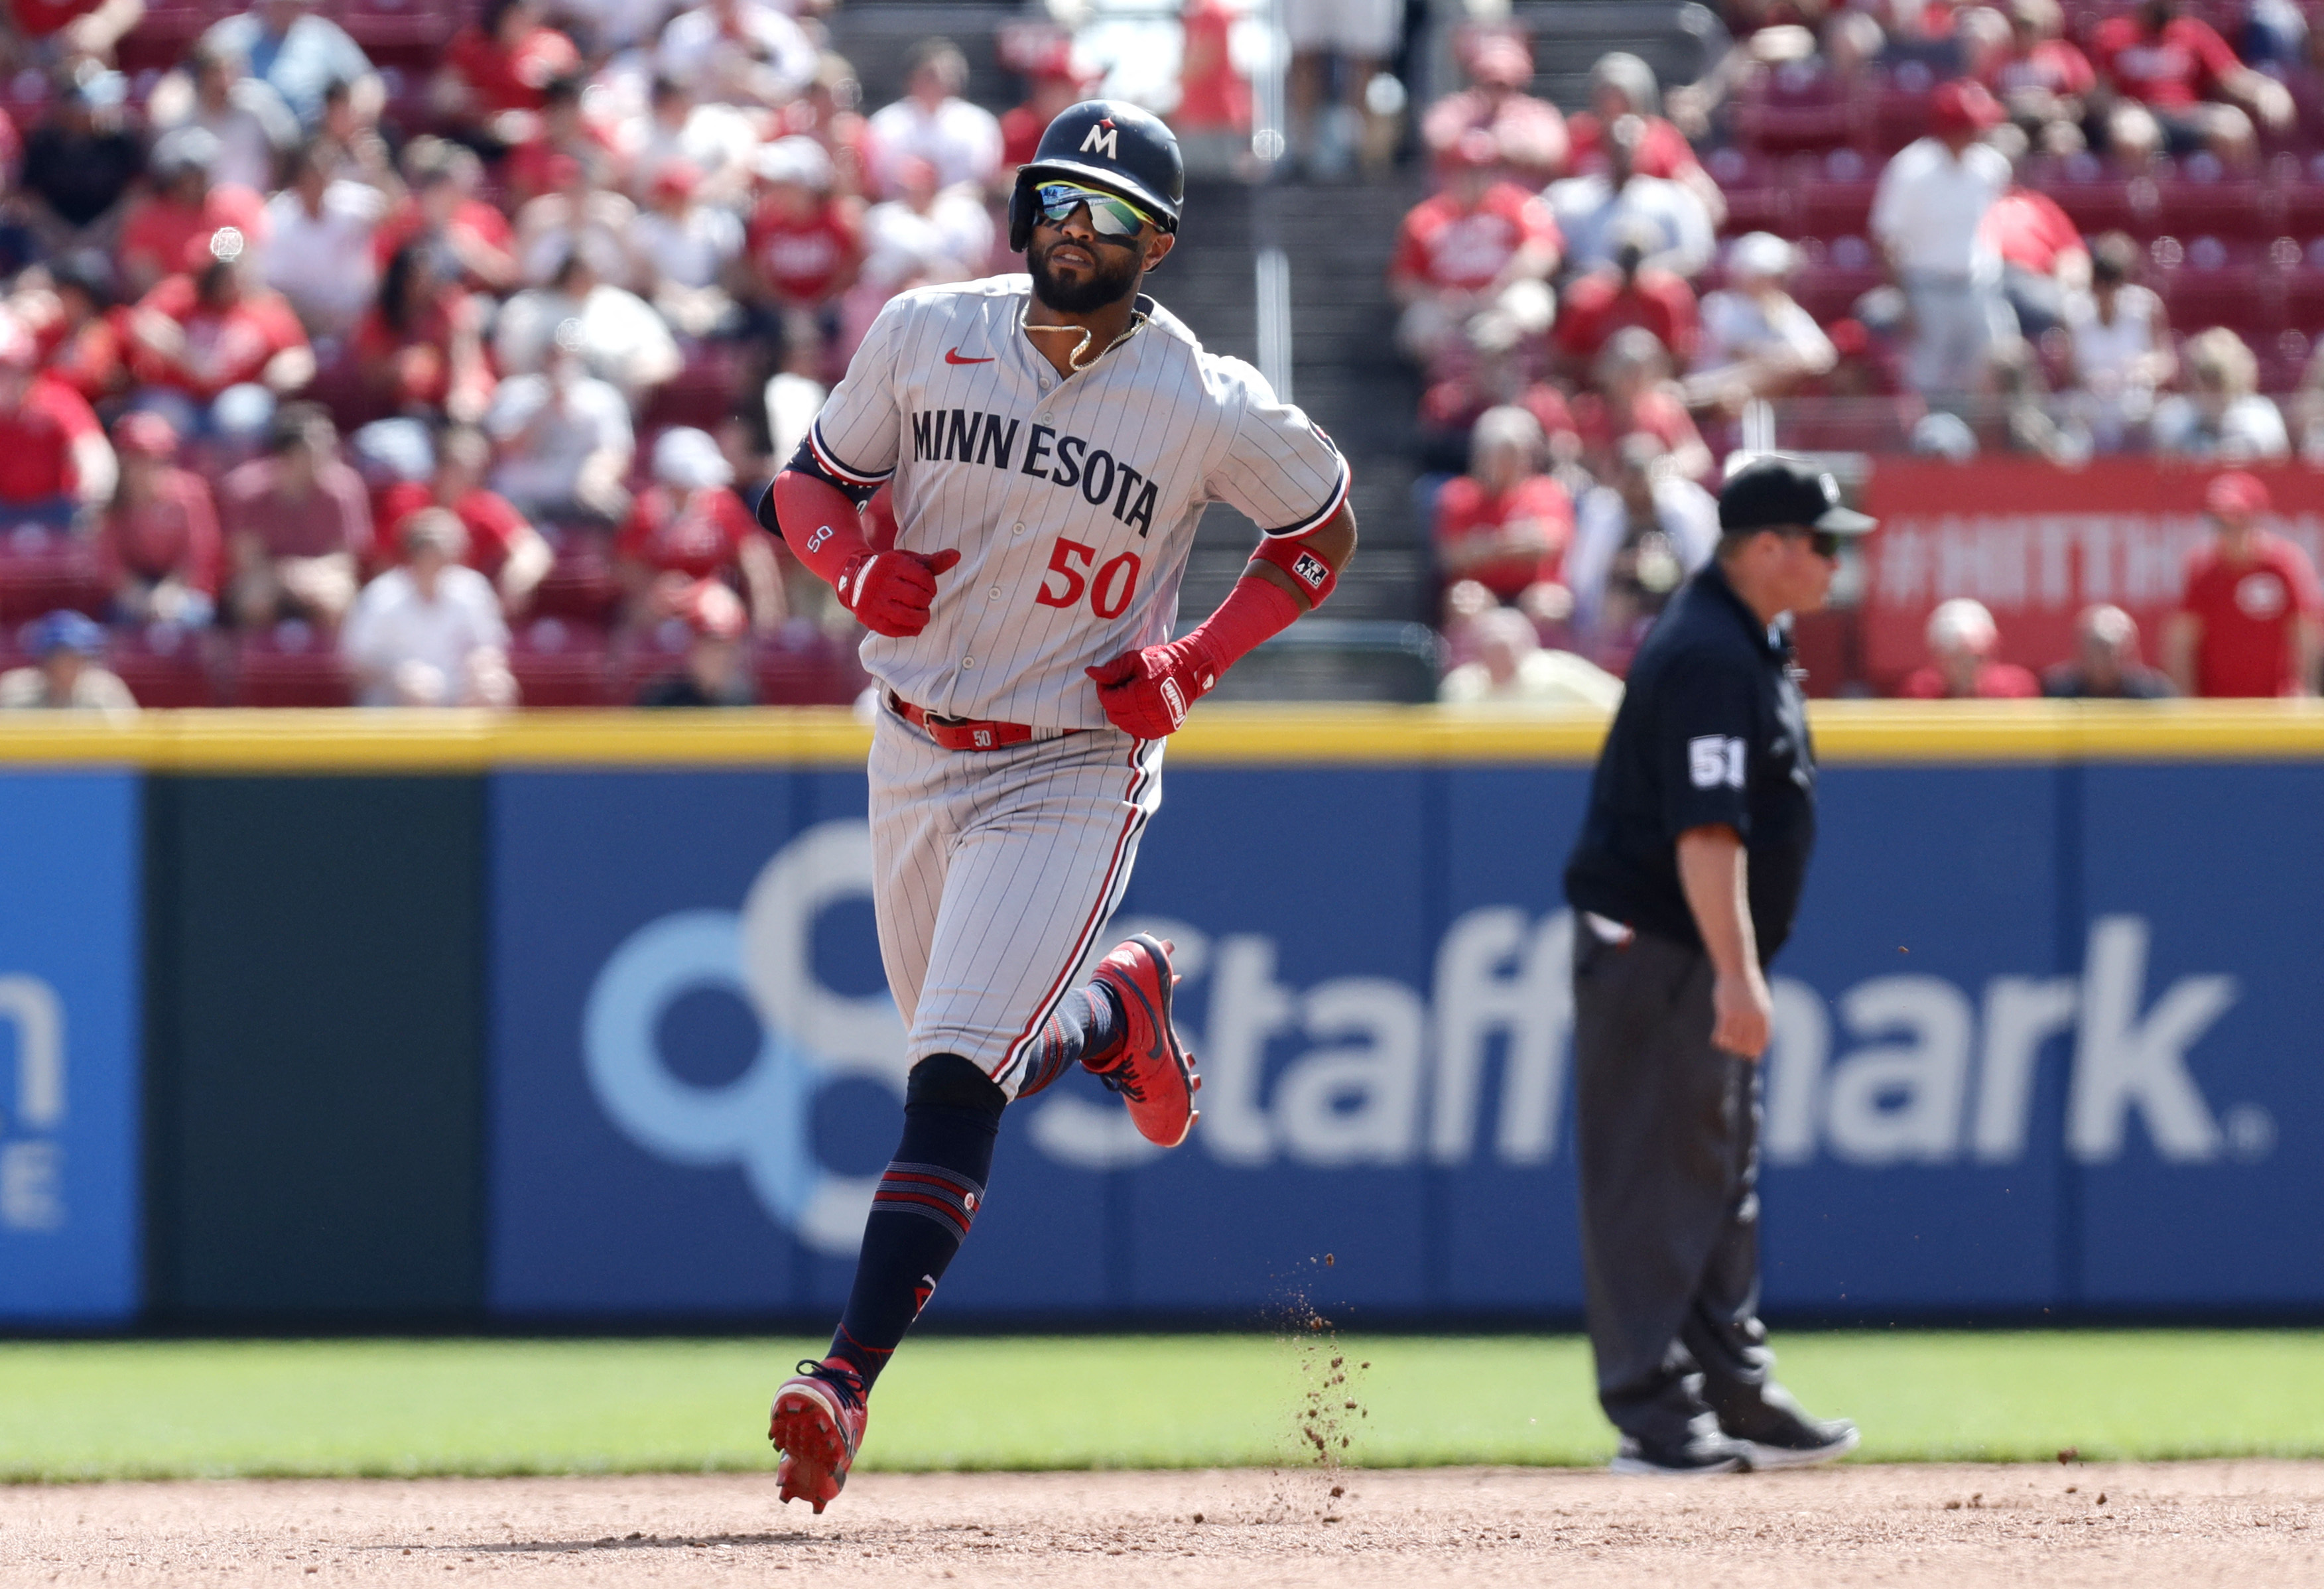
1685, 879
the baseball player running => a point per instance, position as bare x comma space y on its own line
1052, 438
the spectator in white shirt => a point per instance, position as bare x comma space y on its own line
738, 52
1929, 214
617, 333
1756, 341
925, 234
1595, 212
2120, 335
1635, 539
214, 91
320, 254
679, 252
935, 123
564, 440
429, 633
2220, 417
1512, 669
676, 128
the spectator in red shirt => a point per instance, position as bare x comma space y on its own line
531, 167
1620, 85
55, 463
2043, 256
1213, 120
78, 27
2042, 79
804, 245
1055, 83
495, 75
690, 522
1481, 244
297, 524
1633, 394
1627, 292
75, 328
421, 347
2181, 87
2251, 621
503, 545
184, 207
443, 210
198, 338
1962, 637
1529, 136
158, 541
1504, 524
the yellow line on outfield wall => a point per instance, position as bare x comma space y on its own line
1848, 732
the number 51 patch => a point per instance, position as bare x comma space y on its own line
1713, 760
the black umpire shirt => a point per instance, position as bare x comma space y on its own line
1712, 729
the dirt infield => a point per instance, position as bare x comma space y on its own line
1962, 1528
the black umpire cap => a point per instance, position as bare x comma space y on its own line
1109, 144
1777, 492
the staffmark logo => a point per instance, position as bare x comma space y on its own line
1102, 139
1311, 570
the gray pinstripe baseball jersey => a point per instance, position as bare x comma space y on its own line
1073, 504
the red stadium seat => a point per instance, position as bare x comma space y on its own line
699, 395
1832, 196
163, 666
559, 665
2200, 200
2097, 198
2206, 285
1832, 278
579, 587
804, 667
44, 569
291, 666
1757, 201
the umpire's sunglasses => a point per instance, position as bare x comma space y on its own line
1822, 542
1109, 216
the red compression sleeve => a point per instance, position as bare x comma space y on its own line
819, 523
1255, 610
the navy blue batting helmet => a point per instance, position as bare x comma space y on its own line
1110, 144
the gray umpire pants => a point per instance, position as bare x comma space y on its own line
1667, 1128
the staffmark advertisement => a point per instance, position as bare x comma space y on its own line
69, 1017
2013, 1068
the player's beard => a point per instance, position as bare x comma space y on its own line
1112, 278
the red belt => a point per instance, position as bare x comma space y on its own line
959, 733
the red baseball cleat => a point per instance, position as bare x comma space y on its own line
817, 1423
1153, 1075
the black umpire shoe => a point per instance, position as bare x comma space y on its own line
1704, 1451
1777, 1432
1798, 1440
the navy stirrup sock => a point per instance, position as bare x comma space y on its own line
1086, 1028
927, 1201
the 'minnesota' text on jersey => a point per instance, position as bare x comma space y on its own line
1072, 503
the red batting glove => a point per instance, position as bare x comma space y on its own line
1146, 693
890, 592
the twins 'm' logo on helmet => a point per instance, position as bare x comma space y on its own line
1103, 138
1311, 570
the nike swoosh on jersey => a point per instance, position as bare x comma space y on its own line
952, 356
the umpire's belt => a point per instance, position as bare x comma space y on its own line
960, 734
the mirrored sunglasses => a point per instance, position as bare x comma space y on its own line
1109, 216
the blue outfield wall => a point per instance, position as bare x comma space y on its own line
70, 1040
2046, 1038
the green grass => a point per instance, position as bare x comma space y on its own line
154, 1409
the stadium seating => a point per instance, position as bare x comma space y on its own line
289, 666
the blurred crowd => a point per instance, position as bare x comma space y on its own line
451, 380
455, 385
1956, 230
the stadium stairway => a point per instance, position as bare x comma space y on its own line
1345, 373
